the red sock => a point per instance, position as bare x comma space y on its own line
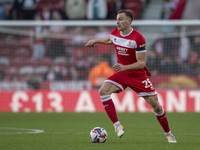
162, 119
109, 108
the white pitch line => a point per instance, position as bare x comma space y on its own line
28, 131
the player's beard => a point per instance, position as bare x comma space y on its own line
120, 28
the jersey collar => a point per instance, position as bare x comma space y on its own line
128, 33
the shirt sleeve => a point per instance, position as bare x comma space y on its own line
111, 35
141, 44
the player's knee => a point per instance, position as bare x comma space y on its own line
102, 92
157, 108
156, 105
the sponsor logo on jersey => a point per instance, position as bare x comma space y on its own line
122, 51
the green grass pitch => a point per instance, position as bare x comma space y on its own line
70, 131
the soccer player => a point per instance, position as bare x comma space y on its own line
131, 71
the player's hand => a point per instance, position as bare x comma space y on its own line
90, 43
119, 67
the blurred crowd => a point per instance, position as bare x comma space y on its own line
57, 53
177, 55
53, 53
68, 9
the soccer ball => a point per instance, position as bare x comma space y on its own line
98, 135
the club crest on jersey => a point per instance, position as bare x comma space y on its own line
129, 43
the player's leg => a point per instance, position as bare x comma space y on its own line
159, 111
105, 91
161, 116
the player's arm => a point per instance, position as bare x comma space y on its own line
91, 43
140, 64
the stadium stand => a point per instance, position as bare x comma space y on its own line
17, 63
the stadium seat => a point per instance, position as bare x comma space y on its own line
41, 70
89, 31
11, 77
46, 61
17, 61
52, 3
4, 61
32, 62
22, 52
12, 70
22, 77
24, 41
59, 60
82, 50
103, 49
2, 43
26, 70
134, 5
44, 85
5, 52
83, 74
3, 68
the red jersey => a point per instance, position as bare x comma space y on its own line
126, 48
